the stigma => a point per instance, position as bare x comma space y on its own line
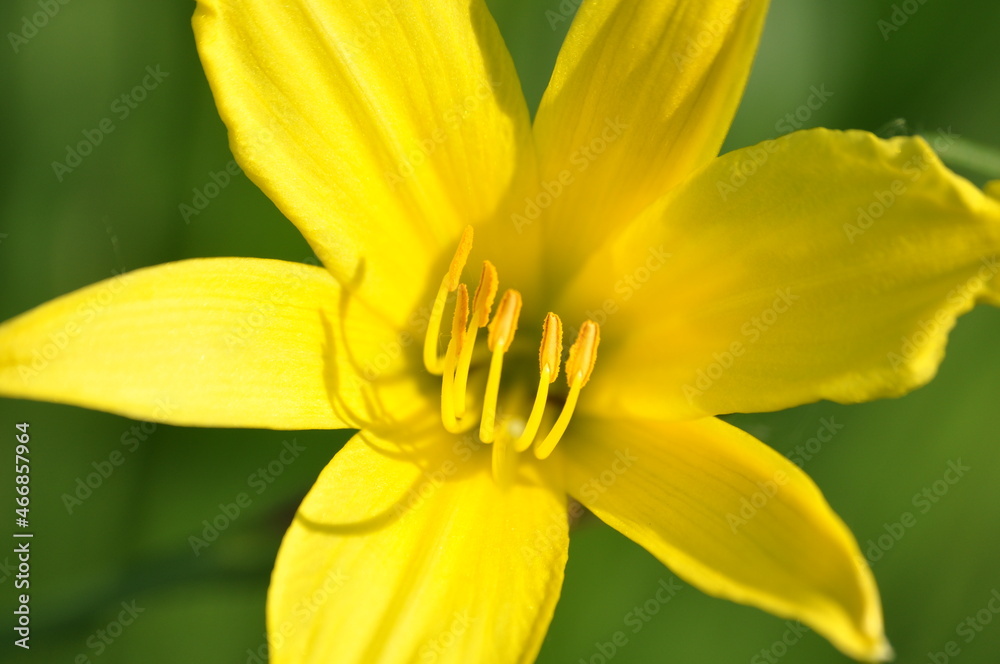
468, 317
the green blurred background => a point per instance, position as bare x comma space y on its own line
128, 542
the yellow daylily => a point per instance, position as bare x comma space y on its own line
820, 265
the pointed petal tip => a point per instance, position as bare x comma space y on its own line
794, 557
878, 650
866, 643
884, 651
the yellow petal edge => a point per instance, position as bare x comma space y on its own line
234, 342
733, 517
408, 551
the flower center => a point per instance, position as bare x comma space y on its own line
455, 365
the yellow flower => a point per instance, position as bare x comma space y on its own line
820, 265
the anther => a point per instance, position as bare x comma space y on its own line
469, 316
579, 366
460, 319
458, 261
482, 304
549, 357
583, 354
449, 284
500, 337
450, 359
486, 292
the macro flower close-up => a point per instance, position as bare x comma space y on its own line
530, 317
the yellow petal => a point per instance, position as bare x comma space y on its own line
414, 555
642, 94
379, 130
235, 342
821, 265
731, 516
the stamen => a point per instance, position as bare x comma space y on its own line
473, 313
549, 356
460, 318
449, 283
501, 335
458, 322
504, 324
482, 303
458, 261
550, 352
486, 292
583, 354
579, 366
